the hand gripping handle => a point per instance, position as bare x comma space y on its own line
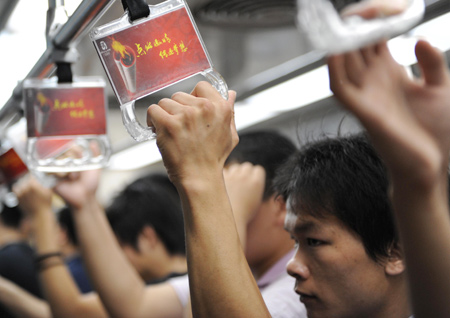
143, 133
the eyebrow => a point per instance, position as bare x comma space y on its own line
304, 227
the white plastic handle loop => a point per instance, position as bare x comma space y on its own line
143, 133
329, 32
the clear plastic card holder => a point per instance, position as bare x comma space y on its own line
330, 31
144, 56
15, 163
66, 124
14, 168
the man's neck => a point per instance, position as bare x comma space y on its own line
8, 235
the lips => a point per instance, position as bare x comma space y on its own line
306, 298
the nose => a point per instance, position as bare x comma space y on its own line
297, 267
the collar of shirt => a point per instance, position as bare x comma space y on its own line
275, 271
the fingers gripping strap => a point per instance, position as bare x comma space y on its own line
137, 8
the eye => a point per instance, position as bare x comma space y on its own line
295, 241
313, 242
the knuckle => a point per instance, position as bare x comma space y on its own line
203, 85
164, 101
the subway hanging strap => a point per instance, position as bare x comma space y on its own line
137, 9
64, 72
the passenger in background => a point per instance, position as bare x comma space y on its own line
102, 253
260, 221
146, 218
16, 254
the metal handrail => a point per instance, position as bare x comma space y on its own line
78, 24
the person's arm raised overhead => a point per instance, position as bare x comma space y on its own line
245, 187
121, 289
195, 134
408, 122
60, 290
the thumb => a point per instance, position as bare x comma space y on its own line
432, 63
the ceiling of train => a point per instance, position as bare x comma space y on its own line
243, 37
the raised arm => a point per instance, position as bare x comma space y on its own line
60, 290
195, 134
408, 122
121, 289
20, 302
245, 186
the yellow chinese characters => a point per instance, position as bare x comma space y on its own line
151, 44
77, 109
62, 105
175, 49
82, 114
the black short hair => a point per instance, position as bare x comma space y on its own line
153, 201
346, 178
11, 216
65, 221
269, 149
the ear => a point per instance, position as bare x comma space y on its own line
280, 210
395, 262
148, 239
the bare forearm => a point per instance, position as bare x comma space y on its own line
122, 294
63, 296
424, 226
218, 271
21, 303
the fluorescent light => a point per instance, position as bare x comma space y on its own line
141, 155
23, 41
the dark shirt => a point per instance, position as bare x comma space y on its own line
17, 265
76, 268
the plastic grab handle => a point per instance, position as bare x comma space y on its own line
143, 133
328, 31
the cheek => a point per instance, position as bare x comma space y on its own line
342, 268
354, 278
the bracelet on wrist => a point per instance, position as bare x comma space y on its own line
40, 258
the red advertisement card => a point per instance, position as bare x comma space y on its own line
150, 55
11, 166
65, 111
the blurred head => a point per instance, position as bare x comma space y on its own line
268, 149
265, 232
348, 261
13, 219
146, 212
65, 221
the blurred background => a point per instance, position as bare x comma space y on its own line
281, 82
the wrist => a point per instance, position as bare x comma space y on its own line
43, 261
88, 205
198, 181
